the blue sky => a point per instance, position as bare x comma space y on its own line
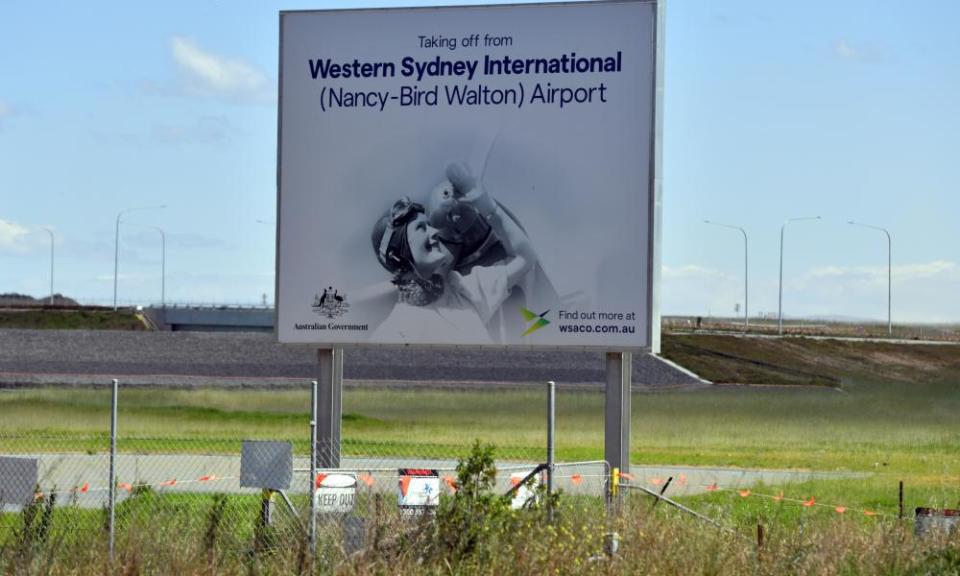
847, 110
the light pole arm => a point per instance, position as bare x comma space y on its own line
116, 245
780, 297
746, 270
889, 271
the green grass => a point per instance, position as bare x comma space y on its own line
906, 429
82, 319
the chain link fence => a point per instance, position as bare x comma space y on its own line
174, 482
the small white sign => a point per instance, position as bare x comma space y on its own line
418, 488
524, 493
335, 493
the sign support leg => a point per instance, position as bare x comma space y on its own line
616, 444
329, 407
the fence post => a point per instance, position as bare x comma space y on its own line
551, 442
313, 469
113, 463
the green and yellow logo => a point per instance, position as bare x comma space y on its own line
538, 320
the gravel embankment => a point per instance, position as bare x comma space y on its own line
186, 358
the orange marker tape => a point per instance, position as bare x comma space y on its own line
207, 478
712, 487
869, 513
809, 502
125, 486
576, 479
626, 475
514, 481
744, 493
656, 481
840, 509
778, 497
85, 488
170, 482
682, 479
366, 479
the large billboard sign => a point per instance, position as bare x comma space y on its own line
477, 175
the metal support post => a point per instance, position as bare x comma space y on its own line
616, 445
113, 463
313, 468
551, 439
329, 407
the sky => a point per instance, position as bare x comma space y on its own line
844, 110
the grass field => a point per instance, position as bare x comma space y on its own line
893, 431
70, 319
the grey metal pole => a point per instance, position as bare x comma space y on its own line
163, 268
313, 468
116, 245
50, 232
889, 271
780, 299
113, 463
746, 272
551, 439
889, 285
616, 444
116, 258
329, 406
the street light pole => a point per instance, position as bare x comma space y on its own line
780, 303
163, 261
50, 232
746, 301
116, 246
889, 272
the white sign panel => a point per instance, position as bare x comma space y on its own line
335, 493
525, 492
418, 488
467, 175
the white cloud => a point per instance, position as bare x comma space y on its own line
206, 74
845, 50
691, 271
6, 111
921, 291
12, 236
900, 272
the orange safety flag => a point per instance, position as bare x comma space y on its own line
576, 479
810, 502
125, 486
319, 479
869, 513
366, 479
404, 485
170, 482
207, 478
514, 480
449, 481
744, 493
656, 481
712, 487
840, 509
779, 497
